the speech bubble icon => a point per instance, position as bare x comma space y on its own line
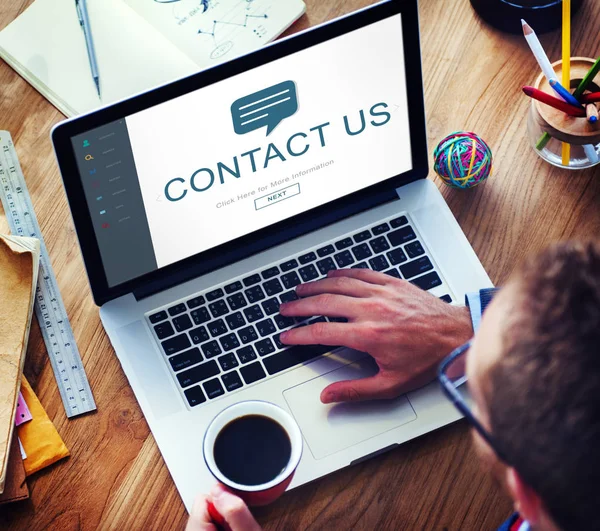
267, 107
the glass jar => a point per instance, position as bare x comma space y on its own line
548, 128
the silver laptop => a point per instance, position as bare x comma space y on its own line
200, 205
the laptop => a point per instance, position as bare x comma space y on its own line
201, 204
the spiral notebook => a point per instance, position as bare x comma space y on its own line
139, 44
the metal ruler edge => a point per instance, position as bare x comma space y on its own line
73, 385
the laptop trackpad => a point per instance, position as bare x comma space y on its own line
329, 428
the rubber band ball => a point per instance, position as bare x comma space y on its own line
463, 160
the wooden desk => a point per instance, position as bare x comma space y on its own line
116, 477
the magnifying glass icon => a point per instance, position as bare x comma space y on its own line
89, 157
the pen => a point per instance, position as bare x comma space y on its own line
564, 93
539, 95
84, 20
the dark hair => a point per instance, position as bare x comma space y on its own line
545, 391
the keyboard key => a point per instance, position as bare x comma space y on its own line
277, 339
265, 327
379, 245
232, 381
393, 273
213, 388
337, 319
195, 302
236, 301
379, 263
186, 359
416, 267
264, 347
235, 320
177, 309
199, 335
228, 361
362, 236
446, 298
217, 327
325, 251
289, 265
398, 222
306, 258
380, 229
272, 287
271, 306
176, 344
428, 281
283, 322
198, 373
182, 323
317, 320
270, 273
194, 396
308, 273
255, 294
200, 316
400, 236
218, 308
414, 249
290, 280
288, 297
214, 295
397, 256
253, 313
248, 334
253, 372
325, 265
293, 356
361, 251
163, 330
157, 317
246, 354
251, 280
344, 259
211, 349
233, 287
344, 244
360, 265
229, 342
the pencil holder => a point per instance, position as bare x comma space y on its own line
548, 128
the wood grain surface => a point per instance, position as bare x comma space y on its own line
116, 478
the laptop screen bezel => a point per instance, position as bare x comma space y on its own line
277, 233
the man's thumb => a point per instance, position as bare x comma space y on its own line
374, 387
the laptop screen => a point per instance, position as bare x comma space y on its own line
221, 162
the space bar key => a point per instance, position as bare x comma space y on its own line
294, 356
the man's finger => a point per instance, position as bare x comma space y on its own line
199, 518
324, 304
234, 510
332, 334
374, 387
366, 275
341, 285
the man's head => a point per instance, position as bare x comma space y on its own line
534, 373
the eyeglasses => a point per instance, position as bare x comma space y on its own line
453, 378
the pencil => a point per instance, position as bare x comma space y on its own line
538, 51
546, 98
566, 65
589, 77
564, 93
592, 97
591, 112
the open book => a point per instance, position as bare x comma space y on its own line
19, 262
140, 44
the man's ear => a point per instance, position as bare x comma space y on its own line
527, 502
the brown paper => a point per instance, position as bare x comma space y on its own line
15, 488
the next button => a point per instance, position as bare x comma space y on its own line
276, 197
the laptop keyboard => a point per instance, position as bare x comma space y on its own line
226, 338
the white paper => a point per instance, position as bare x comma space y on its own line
23, 454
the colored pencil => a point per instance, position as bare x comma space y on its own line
546, 98
589, 77
564, 93
591, 112
566, 65
592, 97
538, 51
591, 154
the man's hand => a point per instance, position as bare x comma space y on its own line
230, 507
407, 330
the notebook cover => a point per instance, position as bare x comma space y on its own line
15, 488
